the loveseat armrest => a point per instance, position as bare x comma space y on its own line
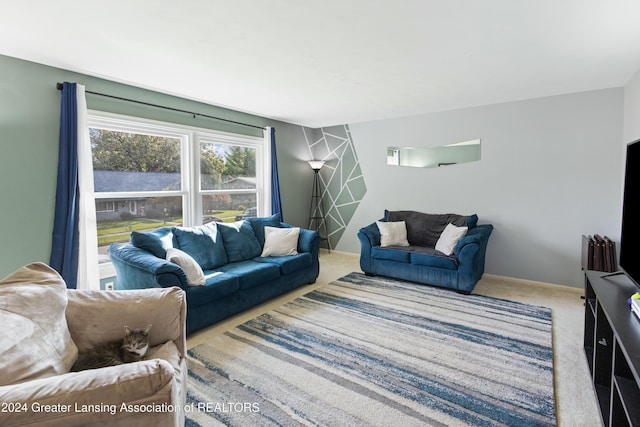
96, 317
466, 240
478, 235
139, 269
96, 397
369, 236
471, 253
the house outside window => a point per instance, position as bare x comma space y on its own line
105, 206
149, 174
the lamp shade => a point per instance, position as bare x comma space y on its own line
316, 164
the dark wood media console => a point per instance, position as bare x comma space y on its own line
612, 347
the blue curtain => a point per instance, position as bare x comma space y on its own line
276, 203
65, 239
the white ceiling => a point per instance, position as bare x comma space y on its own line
329, 62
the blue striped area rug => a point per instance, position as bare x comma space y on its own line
377, 351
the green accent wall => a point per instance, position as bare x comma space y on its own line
29, 128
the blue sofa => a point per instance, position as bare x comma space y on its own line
420, 261
236, 276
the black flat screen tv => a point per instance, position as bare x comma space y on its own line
630, 236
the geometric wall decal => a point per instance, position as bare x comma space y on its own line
341, 177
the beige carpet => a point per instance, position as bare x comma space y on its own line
575, 399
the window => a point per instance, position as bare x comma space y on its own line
228, 179
149, 175
105, 206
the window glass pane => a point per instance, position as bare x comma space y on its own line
124, 161
225, 167
140, 163
225, 207
133, 214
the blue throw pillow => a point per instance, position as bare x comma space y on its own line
204, 244
240, 241
157, 241
258, 223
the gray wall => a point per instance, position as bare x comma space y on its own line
632, 109
551, 168
29, 128
550, 172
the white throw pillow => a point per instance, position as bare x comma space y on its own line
280, 241
393, 233
449, 238
35, 342
195, 275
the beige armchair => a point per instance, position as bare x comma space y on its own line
150, 392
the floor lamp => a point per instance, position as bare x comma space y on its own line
317, 220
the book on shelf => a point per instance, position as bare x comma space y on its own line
587, 252
599, 253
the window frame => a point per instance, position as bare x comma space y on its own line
190, 138
261, 189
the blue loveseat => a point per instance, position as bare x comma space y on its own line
236, 276
418, 260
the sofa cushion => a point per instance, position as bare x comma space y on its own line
151, 382
449, 238
432, 258
157, 241
240, 241
391, 253
392, 233
203, 243
280, 241
260, 222
472, 221
252, 273
288, 264
425, 229
218, 285
195, 275
36, 342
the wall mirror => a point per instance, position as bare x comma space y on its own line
433, 157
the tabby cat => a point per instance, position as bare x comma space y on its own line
131, 349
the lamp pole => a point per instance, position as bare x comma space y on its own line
317, 220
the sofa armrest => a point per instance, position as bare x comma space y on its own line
141, 383
139, 269
466, 240
369, 235
478, 235
100, 316
308, 241
471, 252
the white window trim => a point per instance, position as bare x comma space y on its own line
190, 137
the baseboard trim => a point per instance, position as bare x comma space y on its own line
528, 282
325, 251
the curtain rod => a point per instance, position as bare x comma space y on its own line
59, 86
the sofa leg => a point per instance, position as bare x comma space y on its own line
463, 292
369, 274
